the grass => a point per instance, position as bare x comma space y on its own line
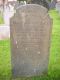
5, 64
54, 61
54, 66
1, 19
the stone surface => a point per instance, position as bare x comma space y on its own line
58, 7
53, 4
4, 32
7, 14
30, 30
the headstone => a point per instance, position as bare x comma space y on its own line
8, 13
17, 4
58, 7
30, 30
53, 4
1, 8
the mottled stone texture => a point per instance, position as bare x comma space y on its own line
30, 30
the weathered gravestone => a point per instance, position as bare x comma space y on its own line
58, 7
30, 30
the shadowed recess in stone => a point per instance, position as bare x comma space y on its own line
30, 29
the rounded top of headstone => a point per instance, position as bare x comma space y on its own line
31, 6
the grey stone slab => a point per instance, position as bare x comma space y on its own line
30, 31
58, 7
